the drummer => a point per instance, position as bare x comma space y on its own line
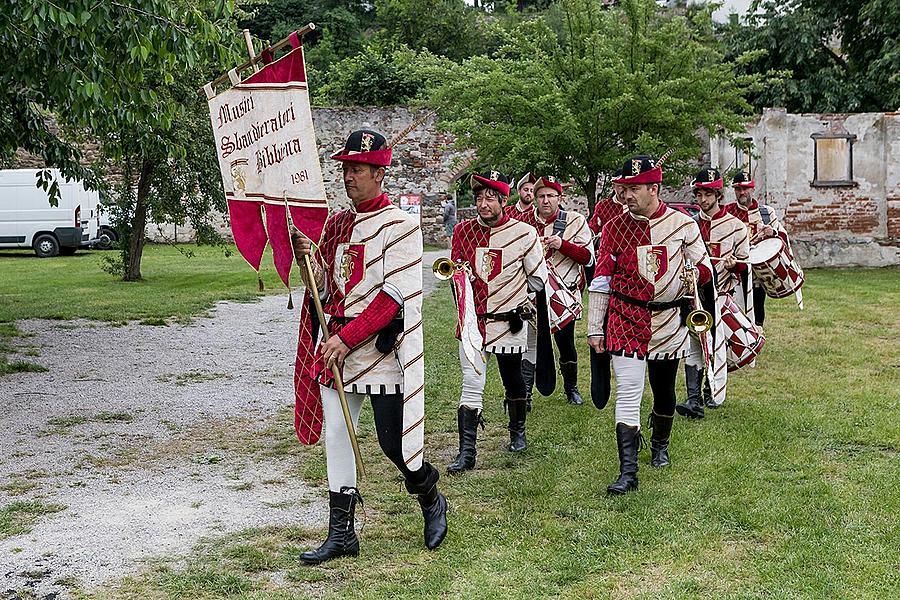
762, 223
728, 244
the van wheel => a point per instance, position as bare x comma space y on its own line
108, 238
104, 241
45, 245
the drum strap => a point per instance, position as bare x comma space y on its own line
559, 225
765, 215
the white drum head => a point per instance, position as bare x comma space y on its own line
766, 250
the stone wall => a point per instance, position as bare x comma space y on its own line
853, 224
849, 223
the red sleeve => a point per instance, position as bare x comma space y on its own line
579, 254
704, 274
375, 317
456, 243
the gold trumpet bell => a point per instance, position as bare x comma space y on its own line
699, 321
443, 268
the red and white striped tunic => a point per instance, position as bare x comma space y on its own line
502, 258
366, 253
725, 236
576, 250
643, 259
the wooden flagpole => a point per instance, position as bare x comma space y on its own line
255, 59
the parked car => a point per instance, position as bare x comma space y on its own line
27, 220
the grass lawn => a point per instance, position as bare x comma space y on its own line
175, 286
792, 490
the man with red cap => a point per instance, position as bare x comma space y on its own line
762, 223
729, 248
368, 270
523, 208
505, 260
637, 308
568, 248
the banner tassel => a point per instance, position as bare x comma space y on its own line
290, 301
259, 280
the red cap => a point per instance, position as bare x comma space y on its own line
366, 146
640, 169
550, 182
491, 179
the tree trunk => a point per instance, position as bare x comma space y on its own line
138, 224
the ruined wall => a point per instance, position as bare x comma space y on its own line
848, 223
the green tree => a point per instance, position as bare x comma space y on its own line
118, 73
374, 77
576, 102
444, 27
833, 56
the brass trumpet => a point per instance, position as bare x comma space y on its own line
444, 268
699, 321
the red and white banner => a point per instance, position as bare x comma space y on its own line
267, 152
269, 159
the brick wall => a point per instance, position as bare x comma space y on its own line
853, 224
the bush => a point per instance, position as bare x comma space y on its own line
372, 78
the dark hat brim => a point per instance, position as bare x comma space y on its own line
378, 158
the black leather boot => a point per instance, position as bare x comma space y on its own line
467, 420
434, 507
659, 439
629, 441
341, 540
693, 408
569, 372
707, 396
517, 412
528, 376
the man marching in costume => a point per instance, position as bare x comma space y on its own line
729, 247
569, 248
640, 282
762, 223
523, 209
505, 259
368, 270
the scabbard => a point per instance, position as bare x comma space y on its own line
600, 378
545, 368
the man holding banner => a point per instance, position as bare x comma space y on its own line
368, 269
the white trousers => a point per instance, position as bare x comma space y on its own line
630, 373
339, 458
694, 357
531, 350
472, 392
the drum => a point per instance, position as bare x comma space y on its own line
775, 269
563, 305
744, 341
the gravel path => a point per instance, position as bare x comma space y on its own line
150, 446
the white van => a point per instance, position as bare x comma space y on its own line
27, 220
